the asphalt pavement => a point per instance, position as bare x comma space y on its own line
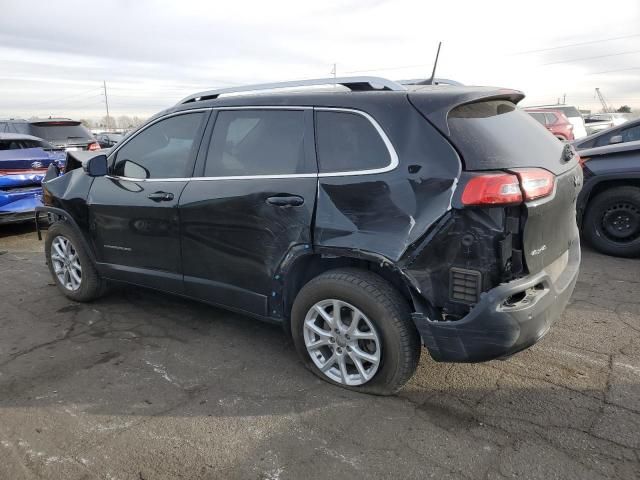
141, 385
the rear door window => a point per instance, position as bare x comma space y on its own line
348, 142
551, 118
257, 142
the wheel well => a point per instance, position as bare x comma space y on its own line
607, 184
310, 266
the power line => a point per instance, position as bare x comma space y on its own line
577, 44
390, 68
591, 58
63, 98
612, 71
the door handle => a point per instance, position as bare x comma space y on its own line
285, 200
161, 196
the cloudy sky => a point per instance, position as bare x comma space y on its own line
56, 54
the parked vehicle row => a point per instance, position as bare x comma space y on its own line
24, 160
609, 203
107, 139
366, 223
555, 121
598, 122
64, 133
572, 113
626, 132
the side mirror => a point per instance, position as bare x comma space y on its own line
96, 166
615, 139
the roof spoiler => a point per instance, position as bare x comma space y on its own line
439, 102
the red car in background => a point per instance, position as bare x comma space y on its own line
553, 120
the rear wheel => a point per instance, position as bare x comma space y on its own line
353, 329
70, 265
612, 222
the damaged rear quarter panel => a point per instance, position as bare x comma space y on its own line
385, 213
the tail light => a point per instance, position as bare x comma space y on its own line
492, 189
506, 188
535, 182
94, 146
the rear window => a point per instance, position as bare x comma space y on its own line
60, 131
495, 134
22, 143
348, 142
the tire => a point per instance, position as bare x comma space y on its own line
621, 205
382, 314
90, 285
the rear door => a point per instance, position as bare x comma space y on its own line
134, 210
251, 205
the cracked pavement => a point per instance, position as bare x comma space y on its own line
141, 385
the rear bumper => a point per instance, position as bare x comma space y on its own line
20, 207
496, 327
16, 217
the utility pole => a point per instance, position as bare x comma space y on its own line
106, 101
334, 72
564, 98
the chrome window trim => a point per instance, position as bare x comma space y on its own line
393, 155
145, 126
394, 160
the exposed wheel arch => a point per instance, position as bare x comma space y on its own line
306, 267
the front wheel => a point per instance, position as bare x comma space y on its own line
70, 265
612, 222
353, 329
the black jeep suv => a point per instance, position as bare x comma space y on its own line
367, 222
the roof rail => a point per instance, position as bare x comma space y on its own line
353, 83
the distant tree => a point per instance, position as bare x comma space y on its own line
137, 121
125, 122
86, 122
111, 124
624, 109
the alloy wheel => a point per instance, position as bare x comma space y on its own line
66, 263
342, 342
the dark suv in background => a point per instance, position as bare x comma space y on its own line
367, 221
60, 132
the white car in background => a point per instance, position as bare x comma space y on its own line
598, 122
572, 113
